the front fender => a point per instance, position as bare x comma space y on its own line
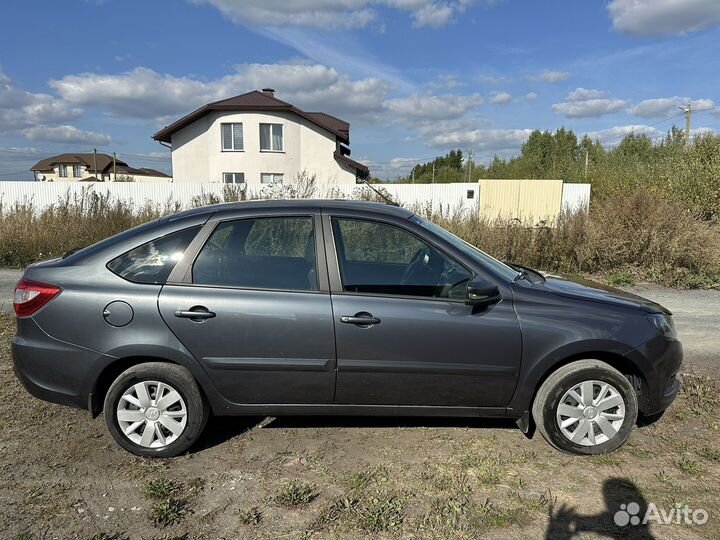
532, 374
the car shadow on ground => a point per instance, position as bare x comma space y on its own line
221, 429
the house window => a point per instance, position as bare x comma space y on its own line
62, 171
232, 137
234, 178
271, 137
271, 178
77, 171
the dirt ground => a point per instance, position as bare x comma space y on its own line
62, 476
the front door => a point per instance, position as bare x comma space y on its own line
404, 334
253, 315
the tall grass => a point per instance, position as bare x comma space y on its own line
640, 232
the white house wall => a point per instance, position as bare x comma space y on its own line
197, 154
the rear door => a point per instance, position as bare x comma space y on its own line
254, 309
404, 334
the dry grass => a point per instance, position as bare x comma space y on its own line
629, 236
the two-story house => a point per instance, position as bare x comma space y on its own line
257, 138
94, 167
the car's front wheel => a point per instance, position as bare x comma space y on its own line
586, 407
155, 410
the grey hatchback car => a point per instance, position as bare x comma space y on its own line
332, 307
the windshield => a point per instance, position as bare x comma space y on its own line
470, 250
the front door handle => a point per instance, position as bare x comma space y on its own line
360, 319
195, 313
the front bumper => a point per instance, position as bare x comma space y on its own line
661, 387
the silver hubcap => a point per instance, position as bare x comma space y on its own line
152, 414
591, 413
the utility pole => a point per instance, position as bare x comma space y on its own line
433, 176
413, 175
95, 162
114, 167
587, 159
470, 163
688, 112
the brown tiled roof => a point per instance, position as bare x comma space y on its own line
142, 171
103, 162
361, 171
258, 101
339, 125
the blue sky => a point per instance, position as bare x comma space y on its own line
414, 77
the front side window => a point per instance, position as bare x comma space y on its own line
271, 137
378, 258
232, 136
62, 171
262, 253
153, 261
468, 249
234, 178
77, 171
271, 178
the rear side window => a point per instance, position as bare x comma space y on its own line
263, 253
153, 261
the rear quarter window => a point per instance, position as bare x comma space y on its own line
152, 262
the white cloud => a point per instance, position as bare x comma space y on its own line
662, 107
583, 94
483, 140
20, 109
585, 103
421, 108
531, 96
433, 15
490, 79
663, 17
144, 93
613, 136
501, 98
66, 134
550, 76
332, 14
446, 81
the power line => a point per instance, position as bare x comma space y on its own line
623, 135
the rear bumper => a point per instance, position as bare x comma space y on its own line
662, 385
49, 369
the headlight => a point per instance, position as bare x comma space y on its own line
664, 324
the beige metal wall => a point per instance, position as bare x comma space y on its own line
529, 201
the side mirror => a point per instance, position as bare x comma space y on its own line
481, 292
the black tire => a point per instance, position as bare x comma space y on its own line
179, 379
551, 392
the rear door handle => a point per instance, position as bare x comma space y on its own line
360, 320
195, 313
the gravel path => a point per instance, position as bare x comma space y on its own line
697, 316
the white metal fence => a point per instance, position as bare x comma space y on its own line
448, 199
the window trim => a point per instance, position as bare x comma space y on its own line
336, 284
282, 180
198, 226
282, 138
232, 136
182, 273
62, 171
77, 171
243, 183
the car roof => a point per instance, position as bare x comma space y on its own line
291, 204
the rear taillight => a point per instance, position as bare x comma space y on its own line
31, 296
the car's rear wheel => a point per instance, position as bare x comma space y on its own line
156, 410
586, 407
